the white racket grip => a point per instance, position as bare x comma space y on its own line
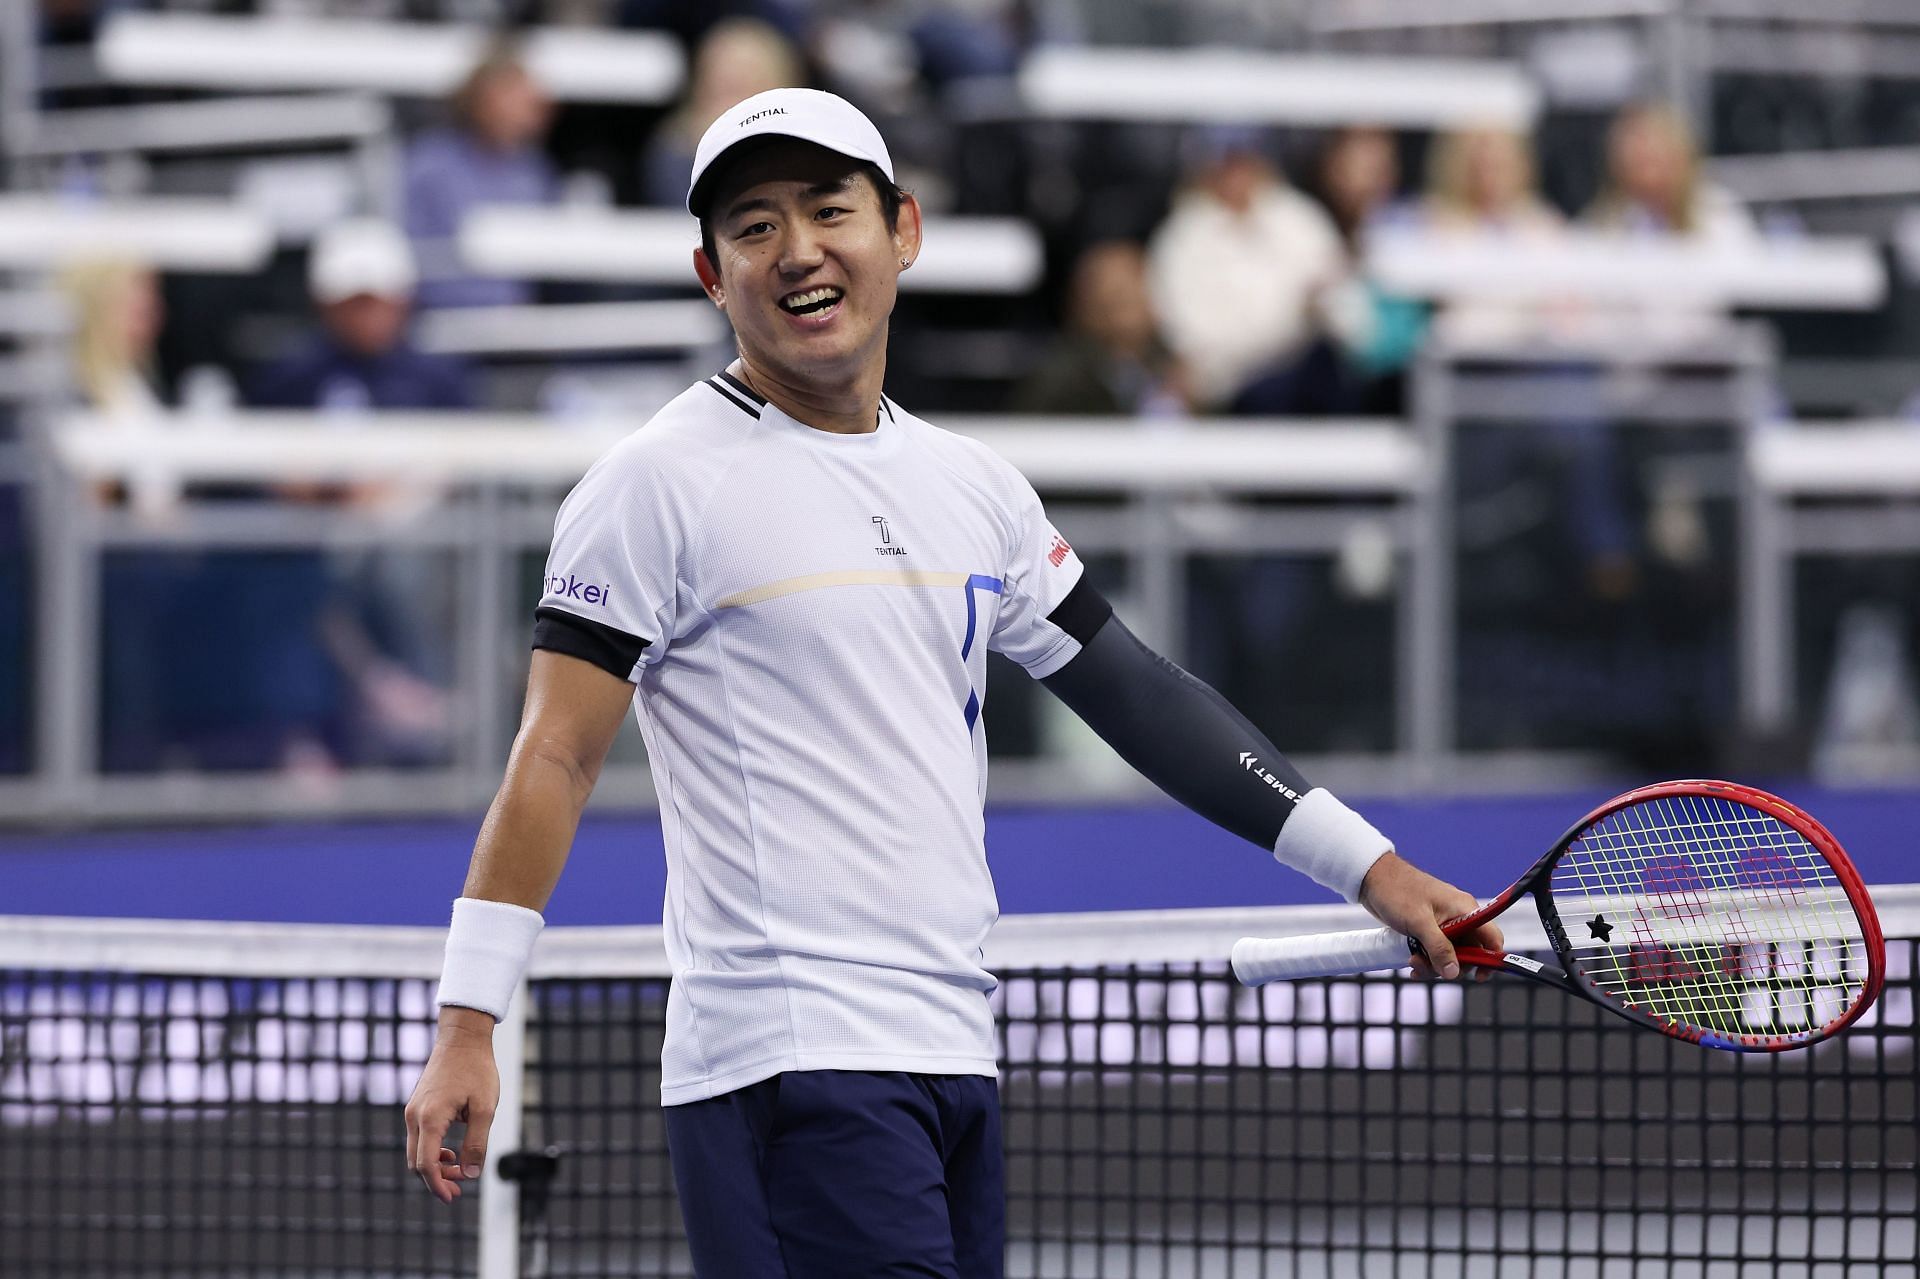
1259, 960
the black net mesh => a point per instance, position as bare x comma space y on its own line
1160, 1121
1164, 1121
214, 1126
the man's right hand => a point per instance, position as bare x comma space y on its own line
459, 1084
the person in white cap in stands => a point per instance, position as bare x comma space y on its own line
794, 581
377, 612
362, 278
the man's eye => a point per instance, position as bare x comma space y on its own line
758, 228
831, 211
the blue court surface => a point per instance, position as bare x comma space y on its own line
1044, 859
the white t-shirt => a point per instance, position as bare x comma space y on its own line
816, 611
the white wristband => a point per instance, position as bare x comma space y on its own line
1330, 843
487, 950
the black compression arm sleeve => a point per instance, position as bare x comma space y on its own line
1180, 734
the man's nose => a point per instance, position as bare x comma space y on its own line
801, 250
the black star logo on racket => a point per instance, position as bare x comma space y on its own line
1600, 928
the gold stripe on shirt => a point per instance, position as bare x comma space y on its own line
848, 577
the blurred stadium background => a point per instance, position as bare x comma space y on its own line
1503, 401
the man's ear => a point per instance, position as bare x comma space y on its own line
709, 278
906, 232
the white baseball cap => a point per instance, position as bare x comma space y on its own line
824, 119
360, 256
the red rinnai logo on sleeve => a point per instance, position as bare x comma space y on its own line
1058, 555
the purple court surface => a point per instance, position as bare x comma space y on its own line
1044, 859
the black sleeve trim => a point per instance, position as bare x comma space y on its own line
613, 651
1082, 613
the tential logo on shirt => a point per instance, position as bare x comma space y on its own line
761, 115
569, 587
886, 546
1058, 555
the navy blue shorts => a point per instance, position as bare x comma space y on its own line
836, 1174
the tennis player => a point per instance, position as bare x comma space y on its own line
795, 582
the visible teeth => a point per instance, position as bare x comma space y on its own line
810, 298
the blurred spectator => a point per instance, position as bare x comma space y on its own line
883, 49
738, 58
363, 281
1242, 271
491, 155
1111, 360
1358, 178
207, 659
1654, 188
966, 40
1654, 185
382, 608
1237, 273
118, 314
690, 20
1483, 180
1548, 546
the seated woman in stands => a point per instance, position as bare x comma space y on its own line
1654, 185
736, 59
1356, 174
1483, 180
491, 154
209, 659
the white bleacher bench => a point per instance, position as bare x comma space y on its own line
1841, 460
574, 327
1238, 86
41, 232
1815, 489
1296, 456
1815, 274
215, 124
1349, 16
399, 58
1861, 173
1346, 457
35, 313
655, 246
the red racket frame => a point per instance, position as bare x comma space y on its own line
1536, 882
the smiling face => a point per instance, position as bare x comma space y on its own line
805, 264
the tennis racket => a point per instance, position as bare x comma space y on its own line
1709, 911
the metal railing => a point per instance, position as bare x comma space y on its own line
498, 480
1151, 497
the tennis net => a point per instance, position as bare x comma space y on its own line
215, 1100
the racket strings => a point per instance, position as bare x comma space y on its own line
1706, 913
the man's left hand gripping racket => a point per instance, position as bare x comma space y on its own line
1709, 911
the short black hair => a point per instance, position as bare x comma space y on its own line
892, 196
